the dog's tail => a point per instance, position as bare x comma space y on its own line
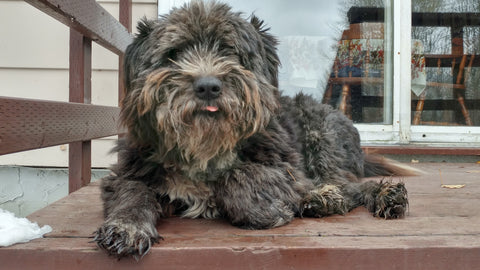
377, 165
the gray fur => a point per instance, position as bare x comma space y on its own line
248, 154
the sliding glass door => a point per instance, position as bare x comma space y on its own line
447, 106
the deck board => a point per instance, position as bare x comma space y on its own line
441, 230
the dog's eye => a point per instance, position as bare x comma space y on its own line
172, 54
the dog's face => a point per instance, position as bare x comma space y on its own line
198, 81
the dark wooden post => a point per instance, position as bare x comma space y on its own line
80, 85
125, 18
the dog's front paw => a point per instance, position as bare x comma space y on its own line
324, 201
392, 201
122, 240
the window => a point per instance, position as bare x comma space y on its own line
447, 40
447, 36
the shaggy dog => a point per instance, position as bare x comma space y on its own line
211, 136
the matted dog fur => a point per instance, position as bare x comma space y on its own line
211, 136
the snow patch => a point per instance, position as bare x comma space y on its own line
18, 230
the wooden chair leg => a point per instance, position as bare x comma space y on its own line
460, 98
328, 94
344, 99
419, 109
465, 113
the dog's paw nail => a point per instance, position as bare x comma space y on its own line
123, 242
392, 201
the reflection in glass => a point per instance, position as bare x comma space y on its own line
356, 85
449, 33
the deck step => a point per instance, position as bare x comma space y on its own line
441, 231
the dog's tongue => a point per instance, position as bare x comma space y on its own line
211, 108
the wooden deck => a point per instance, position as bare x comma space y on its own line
441, 231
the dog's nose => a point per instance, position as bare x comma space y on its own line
207, 87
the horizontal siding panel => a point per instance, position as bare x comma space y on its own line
88, 18
41, 42
52, 85
57, 156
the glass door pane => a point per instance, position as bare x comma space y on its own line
359, 83
446, 62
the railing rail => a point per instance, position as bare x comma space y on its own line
27, 124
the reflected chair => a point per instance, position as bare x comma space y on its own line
359, 60
460, 72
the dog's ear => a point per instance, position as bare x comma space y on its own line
270, 44
135, 51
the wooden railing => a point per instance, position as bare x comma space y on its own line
27, 124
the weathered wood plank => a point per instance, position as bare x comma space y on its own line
90, 19
251, 253
80, 68
430, 205
440, 232
125, 14
29, 124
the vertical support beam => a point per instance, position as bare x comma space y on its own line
125, 18
80, 85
